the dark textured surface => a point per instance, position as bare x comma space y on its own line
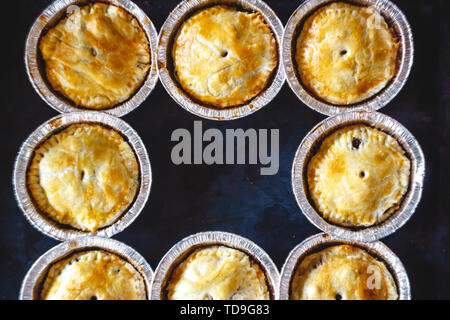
189, 199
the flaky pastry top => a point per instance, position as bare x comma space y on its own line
359, 176
342, 272
224, 57
97, 57
345, 53
85, 176
93, 275
218, 273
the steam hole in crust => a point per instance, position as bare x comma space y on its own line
338, 296
356, 143
317, 264
343, 52
224, 54
82, 174
94, 298
362, 174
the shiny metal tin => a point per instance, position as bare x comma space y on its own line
32, 282
322, 240
182, 249
395, 19
46, 225
169, 30
34, 67
383, 123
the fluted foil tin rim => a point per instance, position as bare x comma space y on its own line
38, 270
410, 200
179, 251
34, 68
395, 18
377, 248
45, 224
167, 32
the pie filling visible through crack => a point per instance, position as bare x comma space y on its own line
358, 177
224, 57
97, 57
85, 176
93, 275
218, 273
342, 272
346, 54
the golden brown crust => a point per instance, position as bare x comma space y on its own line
85, 176
97, 57
342, 272
93, 275
224, 57
218, 273
358, 177
346, 53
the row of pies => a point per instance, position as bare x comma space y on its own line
86, 176
223, 56
219, 272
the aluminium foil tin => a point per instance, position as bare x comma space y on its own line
168, 31
33, 280
385, 124
46, 225
321, 241
35, 67
185, 247
395, 19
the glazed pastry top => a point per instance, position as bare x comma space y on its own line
97, 57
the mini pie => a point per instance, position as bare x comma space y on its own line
97, 57
358, 177
345, 53
342, 272
85, 176
93, 275
218, 273
224, 57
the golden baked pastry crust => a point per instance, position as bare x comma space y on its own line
346, 53
358, 177
93, 275
218, 273
224, 57
85, 176
97, 56
342, 272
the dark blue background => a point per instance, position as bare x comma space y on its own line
188, 199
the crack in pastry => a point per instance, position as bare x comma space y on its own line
358, 177
85, 176
218, 273
342, 272
346, 53
97, 56
224, 57
93, 275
